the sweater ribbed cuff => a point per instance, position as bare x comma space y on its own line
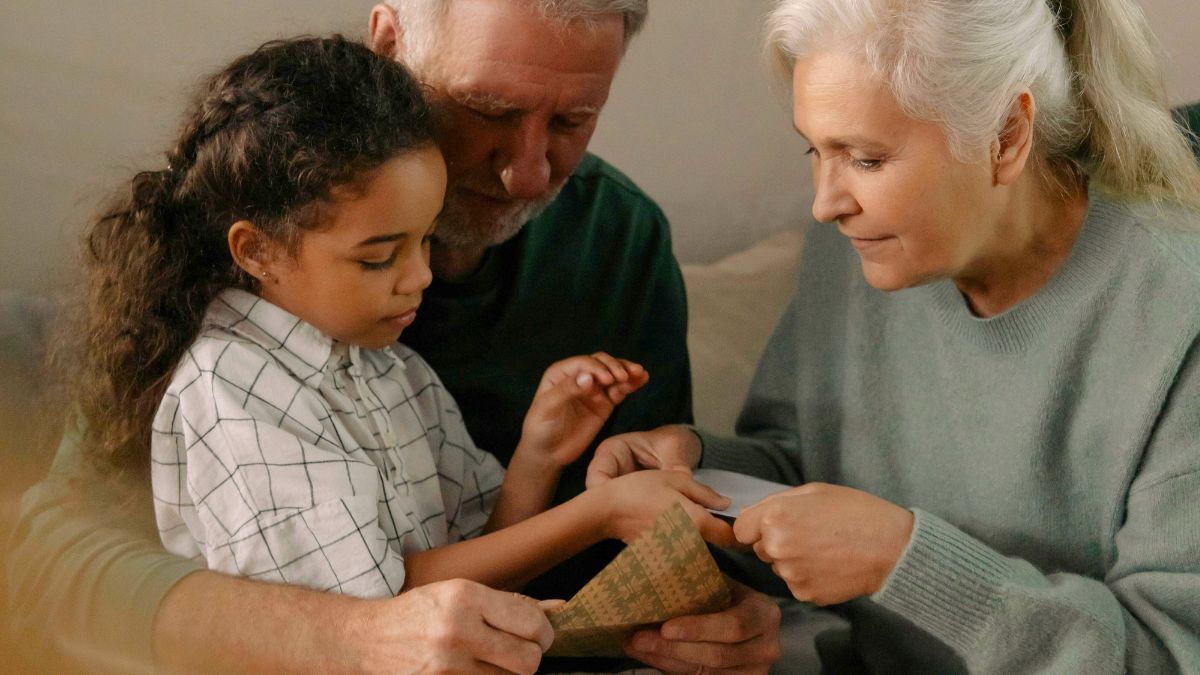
946, 581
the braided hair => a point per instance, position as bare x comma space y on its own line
267, 140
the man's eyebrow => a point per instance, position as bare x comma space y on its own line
380, 239
485, 100
478, 99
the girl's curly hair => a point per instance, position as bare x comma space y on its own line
267, 140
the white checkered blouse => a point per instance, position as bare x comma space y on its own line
279, 454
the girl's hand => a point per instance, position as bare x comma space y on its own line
573, 401
633, 502
828, 542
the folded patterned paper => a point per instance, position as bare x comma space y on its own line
666, 572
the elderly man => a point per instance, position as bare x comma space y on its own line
543, 252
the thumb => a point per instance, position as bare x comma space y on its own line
701, 493
611, 459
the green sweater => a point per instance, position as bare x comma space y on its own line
594, 272
1051, 454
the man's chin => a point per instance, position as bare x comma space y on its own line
463, 227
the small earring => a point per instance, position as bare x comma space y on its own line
266, 275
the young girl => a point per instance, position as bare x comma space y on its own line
246, 303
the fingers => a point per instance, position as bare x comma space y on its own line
520, 617
614, 457
742, 638
749, 616
481, 668
751, 656
698, 492
619, 377
712, 529
495, 649
748, 526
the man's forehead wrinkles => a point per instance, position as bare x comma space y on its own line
578, 98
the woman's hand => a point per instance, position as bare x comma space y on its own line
573, 401
633, 502
673, 446
827, 542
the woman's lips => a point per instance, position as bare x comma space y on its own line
866, 243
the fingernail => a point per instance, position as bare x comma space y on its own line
584, 379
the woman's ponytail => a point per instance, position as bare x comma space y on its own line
1134, 145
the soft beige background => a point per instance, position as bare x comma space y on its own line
89, 91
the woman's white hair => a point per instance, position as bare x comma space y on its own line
1091, 66
420, 19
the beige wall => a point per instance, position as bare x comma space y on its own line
89, 91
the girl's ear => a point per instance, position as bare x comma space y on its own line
1011, 150
252, 251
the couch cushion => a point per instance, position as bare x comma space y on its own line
733, 306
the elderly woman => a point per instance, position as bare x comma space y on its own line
987, 386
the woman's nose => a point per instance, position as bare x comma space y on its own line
831, 200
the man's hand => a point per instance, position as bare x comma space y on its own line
213, 623
741, 639
673, 446
456, 626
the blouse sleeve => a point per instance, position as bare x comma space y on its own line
274, 497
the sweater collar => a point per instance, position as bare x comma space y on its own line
1096, 250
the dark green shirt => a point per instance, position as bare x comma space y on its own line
594, 272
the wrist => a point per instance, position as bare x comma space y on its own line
599, 512
529, 464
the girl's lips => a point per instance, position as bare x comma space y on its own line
403, 320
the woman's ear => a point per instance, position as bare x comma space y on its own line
1012, 148
383, 30
252, 251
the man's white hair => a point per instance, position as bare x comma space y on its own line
420, 19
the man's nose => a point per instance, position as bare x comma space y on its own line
523, 164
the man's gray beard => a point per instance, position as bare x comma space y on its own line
458, 227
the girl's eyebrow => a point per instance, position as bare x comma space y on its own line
380, 239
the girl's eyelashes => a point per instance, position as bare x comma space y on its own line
380, 264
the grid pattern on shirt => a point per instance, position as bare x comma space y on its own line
280, 455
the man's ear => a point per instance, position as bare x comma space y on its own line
252, 251
383, 30
1012, 148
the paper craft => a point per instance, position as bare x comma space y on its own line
741, 489
665, 573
